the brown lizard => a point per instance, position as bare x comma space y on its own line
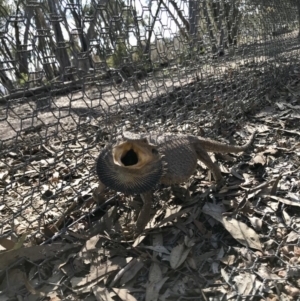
135, 163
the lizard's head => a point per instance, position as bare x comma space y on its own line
130, 166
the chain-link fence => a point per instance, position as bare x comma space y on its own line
76, 73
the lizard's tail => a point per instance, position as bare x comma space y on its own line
218, 147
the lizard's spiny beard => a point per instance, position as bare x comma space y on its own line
130, 167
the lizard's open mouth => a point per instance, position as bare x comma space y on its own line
132, 155
130, 158
130, 167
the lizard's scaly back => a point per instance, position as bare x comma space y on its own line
179, 157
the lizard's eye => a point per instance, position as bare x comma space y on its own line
154, 151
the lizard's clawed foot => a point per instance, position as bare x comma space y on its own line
98, 194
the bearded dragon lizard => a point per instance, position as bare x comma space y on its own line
136, 163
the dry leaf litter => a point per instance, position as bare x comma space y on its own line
240, 243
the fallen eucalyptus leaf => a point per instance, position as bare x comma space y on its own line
178, 255
293, 202
123, 294
239, 231
242, 233
101, 293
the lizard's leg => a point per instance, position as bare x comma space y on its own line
205, 158
144, 215
98, 193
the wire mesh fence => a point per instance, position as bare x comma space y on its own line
73, 75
